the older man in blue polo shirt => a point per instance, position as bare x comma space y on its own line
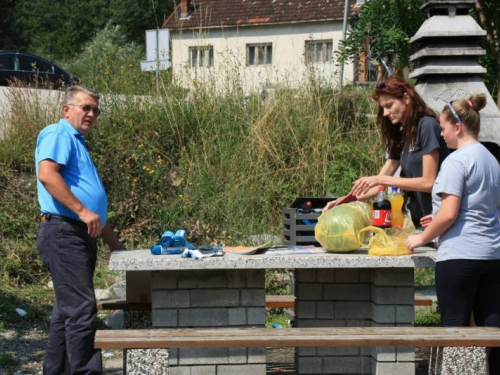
73, 206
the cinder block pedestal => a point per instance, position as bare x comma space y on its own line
354, 298
208, 299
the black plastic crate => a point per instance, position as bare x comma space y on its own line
300, 219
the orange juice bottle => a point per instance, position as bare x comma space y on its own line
397, 202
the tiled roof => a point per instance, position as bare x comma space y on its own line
230, 13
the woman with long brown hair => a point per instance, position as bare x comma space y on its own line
413, 142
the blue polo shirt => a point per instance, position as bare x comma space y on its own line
62, 143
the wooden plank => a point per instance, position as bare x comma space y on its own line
121, 304
421, 300
276, 301
298, 337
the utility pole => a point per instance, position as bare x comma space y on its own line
344, 32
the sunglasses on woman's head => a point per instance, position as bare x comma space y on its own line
383, 85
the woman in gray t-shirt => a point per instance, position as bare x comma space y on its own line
466, 203
412, 139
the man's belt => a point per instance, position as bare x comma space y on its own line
49, 217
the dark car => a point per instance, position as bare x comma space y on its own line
31, 69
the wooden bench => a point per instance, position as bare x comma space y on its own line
297, 337
272, 301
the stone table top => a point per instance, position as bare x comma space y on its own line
289, 258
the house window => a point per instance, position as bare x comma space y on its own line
260, 54
319, 51
201, 57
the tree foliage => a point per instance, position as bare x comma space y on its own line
60, 29
488, 13
388, 26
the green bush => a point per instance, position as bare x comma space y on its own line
220, 164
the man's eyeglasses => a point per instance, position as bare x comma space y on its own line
454, 113
88, 108
383, 85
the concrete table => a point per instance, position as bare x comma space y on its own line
352, 289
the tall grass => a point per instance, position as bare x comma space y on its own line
220, 164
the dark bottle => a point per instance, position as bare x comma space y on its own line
381, 213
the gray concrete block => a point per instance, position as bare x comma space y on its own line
393, 277
203, 356
204, 370
309, 365
309, 291
256, 316
203, 279
236, 279
358, 322
346, 351
325, 275
405, 314
405, 354
306, 351
173, 371
353, 310
164, 280
306, 310
237, 316
173, 357
324, 310
384, 353
365, 275
237, 355
165, 318
171, 299
347, 275
255, 278
347, 292
394, 368
253, 297
254, 369
384, 313
324, 351
305, 275
392, 295
214, 317
347, 365
256, 355
215, 298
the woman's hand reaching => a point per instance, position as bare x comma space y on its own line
364, 184
426, 221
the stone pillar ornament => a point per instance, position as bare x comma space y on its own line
446, 67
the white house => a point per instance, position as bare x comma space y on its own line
257, 43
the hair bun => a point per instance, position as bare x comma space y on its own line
477, 102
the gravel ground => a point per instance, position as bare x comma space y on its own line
22, 350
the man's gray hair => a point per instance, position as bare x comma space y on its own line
73, 90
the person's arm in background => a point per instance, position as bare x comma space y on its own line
443, 220
389, 169
109, 236
430, 164
49, 176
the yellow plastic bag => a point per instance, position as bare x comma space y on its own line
389, 242
337, 229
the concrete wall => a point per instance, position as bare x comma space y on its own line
230, 62
48, 103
